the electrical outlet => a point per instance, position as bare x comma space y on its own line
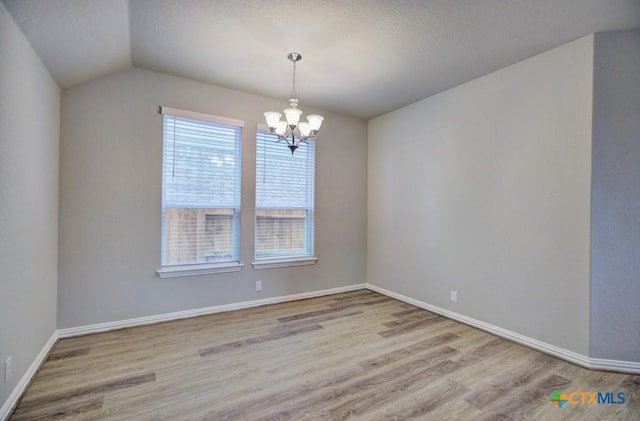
7, 369
454, 296
258, 285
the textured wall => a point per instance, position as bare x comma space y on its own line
615, 243
485, 189
29, 127
110, 192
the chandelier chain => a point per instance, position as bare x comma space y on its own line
293, 94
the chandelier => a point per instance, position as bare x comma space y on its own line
292, 131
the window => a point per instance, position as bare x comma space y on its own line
284, 201
200, 192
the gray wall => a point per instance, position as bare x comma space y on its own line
485, 189
615, 242
29, 128
110, 193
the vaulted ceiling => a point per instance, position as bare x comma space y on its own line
360, 57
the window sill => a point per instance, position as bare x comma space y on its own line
284, 263
203, 269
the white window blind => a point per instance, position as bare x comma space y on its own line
200, 188
284, 199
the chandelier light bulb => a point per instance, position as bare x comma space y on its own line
315, 121
272, 118
304, 128
281, 128
292, 115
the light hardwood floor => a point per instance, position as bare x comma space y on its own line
357, 355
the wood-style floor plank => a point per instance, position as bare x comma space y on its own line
355, 356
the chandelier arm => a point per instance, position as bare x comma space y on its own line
284, 139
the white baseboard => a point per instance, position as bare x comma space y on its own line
618, 366
14, 397
139, 321
630, 367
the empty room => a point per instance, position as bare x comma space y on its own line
319, 210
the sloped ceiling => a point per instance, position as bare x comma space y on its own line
360, 57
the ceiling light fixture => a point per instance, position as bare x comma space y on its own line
292, 131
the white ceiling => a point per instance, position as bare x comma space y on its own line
360, 57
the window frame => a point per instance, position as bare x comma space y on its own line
201, 268
292, 260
